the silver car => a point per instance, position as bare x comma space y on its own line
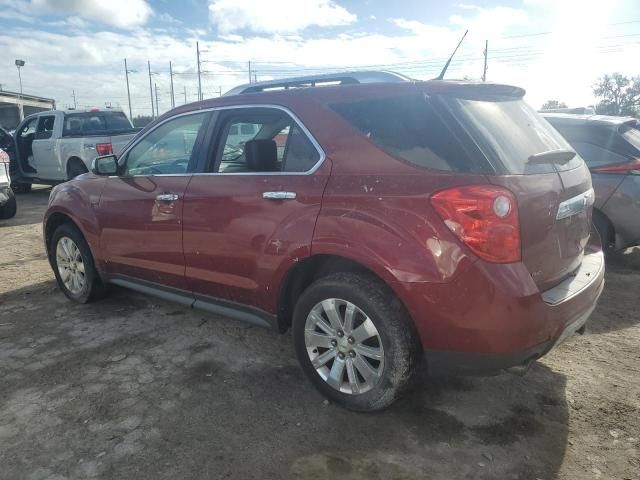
611, 148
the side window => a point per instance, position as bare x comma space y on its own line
595, 156
28, 129
167, 149
45, 127
262, 140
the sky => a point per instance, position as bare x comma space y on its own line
555, 49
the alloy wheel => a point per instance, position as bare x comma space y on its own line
70, 265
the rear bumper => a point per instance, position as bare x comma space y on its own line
493, 317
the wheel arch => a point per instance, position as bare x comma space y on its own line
312, 268
75, 160
600, 216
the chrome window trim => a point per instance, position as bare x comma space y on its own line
295, 118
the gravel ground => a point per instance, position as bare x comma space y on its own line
134, 387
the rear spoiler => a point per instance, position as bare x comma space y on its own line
480, 91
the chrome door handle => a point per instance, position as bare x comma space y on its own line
167, 197
279, 195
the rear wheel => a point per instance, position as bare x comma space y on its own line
355, 341
76, 167
19, 187
8, 210
73, 265
605, 230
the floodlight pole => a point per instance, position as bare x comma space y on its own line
153, 116
173, 99
126, 74
19, 65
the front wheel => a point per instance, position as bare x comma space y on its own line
73, 265
8, 210
355, 341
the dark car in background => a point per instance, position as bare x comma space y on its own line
611, 148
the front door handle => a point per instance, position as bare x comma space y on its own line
279, 195
167, 197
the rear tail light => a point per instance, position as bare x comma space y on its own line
484, 218
619, 167
104, 149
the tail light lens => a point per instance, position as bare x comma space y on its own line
627, 167
484, 218
104, 149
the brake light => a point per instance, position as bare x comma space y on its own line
104, 149
484, 218
619, 167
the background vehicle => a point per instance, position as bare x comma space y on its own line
388, 227
55, 146
611, 148
7, 200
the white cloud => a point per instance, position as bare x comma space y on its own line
276, 16
117, 13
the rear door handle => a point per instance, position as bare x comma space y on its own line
279, 195
167, 197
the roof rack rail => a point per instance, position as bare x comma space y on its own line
339, 78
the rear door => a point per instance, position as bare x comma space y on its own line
249, 219
554, 199
140, 210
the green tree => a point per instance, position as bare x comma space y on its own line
550, 104
617, 95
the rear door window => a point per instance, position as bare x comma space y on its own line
596, 156
410, 129
510, 131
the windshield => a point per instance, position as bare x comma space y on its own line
510, 131
631, 134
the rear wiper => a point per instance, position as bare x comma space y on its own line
552, 156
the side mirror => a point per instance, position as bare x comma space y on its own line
105, 165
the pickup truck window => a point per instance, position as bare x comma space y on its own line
45, 127
98, 123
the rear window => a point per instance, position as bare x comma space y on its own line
510, 131
410, 129
91, 123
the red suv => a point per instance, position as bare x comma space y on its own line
382, 222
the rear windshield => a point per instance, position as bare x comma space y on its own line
95, 123
509, 131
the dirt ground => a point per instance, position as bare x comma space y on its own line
137, 388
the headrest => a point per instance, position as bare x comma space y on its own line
261, 155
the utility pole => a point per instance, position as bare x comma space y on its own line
199, 80
157, 109
185, 95
219, 91
249, 71
486, 53
19, 65
75, 105
173, 99
126, 74
255, 77
151, 91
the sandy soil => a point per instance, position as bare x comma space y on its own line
134, 387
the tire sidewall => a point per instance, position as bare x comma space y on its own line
66, 230
383, 312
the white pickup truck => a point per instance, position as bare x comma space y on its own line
55, 146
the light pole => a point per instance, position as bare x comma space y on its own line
126, 74
153, 116
19, 65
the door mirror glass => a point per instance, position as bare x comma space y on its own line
105, 165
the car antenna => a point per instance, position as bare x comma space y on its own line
446, 65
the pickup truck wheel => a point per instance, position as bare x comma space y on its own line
19, 187
8, 210
75, 168
73, 265
355, 341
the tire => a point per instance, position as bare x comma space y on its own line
8, 210
92, 288
75, 168
19, 187
603, 226
395, 333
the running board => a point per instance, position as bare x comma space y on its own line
224, 308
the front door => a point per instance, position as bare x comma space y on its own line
141, 209
254, 214
44, 158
